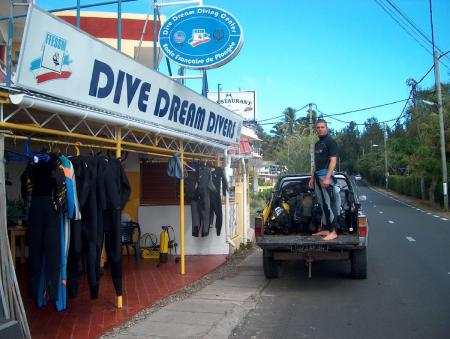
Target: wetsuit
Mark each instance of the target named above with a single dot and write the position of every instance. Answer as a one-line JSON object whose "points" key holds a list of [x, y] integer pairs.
{"points": [[219, 180], [45, 193]]}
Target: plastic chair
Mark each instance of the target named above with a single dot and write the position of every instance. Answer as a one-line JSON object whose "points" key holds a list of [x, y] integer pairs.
{"points": [[130, 235]]}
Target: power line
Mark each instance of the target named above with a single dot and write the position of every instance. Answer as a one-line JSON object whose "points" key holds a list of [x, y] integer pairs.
{"points": [[333, 116], [282, 115], [414, 26], [367, 108], [402, 25]]}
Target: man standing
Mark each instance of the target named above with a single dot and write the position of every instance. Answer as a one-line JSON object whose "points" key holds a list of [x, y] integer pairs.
{"points": [[325, 154]]}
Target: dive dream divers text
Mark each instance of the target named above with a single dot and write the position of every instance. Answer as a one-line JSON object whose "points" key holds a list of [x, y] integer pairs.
{"points": [[170, 106]]}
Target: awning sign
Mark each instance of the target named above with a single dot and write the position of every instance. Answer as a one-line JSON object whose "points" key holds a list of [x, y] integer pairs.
{"points": [[59, 60], [201, 37]]}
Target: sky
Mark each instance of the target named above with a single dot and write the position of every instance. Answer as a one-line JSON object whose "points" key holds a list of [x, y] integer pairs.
{"points": [[340, 55]]}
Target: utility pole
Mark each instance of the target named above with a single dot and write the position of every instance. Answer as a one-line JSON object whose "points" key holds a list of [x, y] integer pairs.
{"points": [[311, 145], [386, 173], [437, 76]]}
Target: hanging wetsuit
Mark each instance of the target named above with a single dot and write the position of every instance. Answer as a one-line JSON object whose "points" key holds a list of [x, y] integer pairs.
{"points": [[115, 194], [219, 180], [87, 239], [82, 176], [46, 193], [190, 188], [203, 207], [71, 212]]}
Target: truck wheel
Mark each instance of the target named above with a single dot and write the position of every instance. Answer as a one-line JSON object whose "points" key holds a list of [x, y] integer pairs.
{"points": [[358, 259], [271, 267]]}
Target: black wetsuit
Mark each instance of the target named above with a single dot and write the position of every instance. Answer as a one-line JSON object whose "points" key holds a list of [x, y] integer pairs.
{"points": [[219, 180], [45, 192]]}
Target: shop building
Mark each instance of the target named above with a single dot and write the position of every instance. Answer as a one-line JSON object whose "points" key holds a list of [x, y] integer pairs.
{"points": [[105, 103]]}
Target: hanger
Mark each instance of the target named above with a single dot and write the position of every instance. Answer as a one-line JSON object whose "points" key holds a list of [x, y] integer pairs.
{"points": [[189, 168]]}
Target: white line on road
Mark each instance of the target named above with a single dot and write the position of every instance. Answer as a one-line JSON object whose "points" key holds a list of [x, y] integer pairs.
{"points": [[381, 212], [428, 213], [391, 222], [436, 216], [410, 239], [445, 219]]}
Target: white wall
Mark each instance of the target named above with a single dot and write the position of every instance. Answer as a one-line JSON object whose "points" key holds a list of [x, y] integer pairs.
{"points": [[151, 218]]}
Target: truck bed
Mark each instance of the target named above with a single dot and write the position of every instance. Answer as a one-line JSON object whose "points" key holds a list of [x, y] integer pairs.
{"points": [[299, 242]]}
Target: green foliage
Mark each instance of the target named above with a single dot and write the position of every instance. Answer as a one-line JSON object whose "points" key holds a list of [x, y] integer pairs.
{"points": [[412, 144], [259, 200]]}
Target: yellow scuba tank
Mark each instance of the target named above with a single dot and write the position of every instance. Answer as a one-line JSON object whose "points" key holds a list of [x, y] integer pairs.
{"points": [[164, 244]]}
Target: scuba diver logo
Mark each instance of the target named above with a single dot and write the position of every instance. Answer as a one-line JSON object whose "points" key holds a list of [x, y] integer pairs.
{"points": [[199, 37], [54, 62]]}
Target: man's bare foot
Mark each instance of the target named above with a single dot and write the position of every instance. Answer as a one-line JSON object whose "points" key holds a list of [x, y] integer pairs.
{"points": [[331, 236], [324, 232]]}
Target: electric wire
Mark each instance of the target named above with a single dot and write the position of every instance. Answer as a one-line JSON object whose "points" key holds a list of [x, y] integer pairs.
{"points": [[413, 25], [402, 25], [282, 115]]}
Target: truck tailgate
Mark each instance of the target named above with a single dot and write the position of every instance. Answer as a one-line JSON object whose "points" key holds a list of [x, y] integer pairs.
{"points": [[290, 242]]}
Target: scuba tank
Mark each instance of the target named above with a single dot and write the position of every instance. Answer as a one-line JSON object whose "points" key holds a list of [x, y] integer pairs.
{"points": [[164, 244]]}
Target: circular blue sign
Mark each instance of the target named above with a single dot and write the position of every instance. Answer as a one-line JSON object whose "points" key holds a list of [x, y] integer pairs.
{"points": [[201, 37]]}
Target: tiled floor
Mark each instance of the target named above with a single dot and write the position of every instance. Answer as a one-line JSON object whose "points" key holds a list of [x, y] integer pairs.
{"points": [[143, 286]]}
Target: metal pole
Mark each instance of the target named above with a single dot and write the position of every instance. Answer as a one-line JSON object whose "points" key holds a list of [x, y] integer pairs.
{"points": [[182, 208], [119, 25], [311, 145], [78, 13], [155, 54], [218, 94], [10, 38], [386, 173], [437, 75]]}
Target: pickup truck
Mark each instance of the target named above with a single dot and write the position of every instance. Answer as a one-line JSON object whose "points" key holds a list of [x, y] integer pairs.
{"points": [[284, 228]]}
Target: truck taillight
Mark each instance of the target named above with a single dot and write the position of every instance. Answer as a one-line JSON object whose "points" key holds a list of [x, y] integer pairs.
{"points": [[258, 226], [362, 223]]}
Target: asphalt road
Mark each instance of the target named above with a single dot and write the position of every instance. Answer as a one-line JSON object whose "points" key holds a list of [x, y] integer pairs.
{"points": [[406, 295]]}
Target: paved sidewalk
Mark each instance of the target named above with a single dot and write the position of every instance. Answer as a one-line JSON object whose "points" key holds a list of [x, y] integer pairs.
{"points": [[212, 312]]}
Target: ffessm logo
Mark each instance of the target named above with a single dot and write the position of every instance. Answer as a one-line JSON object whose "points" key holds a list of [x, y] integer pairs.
{"points": [[54, 61]]}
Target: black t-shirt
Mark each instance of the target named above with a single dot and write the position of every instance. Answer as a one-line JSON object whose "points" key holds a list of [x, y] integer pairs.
{"points": [[325, 148]]}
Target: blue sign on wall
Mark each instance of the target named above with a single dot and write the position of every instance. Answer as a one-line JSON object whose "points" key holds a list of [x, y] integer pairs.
{"points": [[201, 37]]}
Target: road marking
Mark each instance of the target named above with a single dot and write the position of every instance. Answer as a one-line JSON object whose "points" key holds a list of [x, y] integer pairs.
{"points": [[374, 205], [391, 222], [381, 212], [410, 239], [436, 216], [429, 213], [445, 219]]}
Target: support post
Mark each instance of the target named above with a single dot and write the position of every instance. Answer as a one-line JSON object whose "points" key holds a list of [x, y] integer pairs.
{"points": [[386, 173], [182, 208], [311, 144], [119, 25], [437, 74], [118, 154], [78, 13], [155, 54], [10, 39], [118, 142]]}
